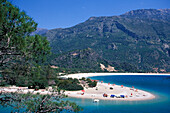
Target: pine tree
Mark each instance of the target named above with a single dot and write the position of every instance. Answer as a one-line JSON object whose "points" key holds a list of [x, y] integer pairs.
{"points": [[21, 62]]}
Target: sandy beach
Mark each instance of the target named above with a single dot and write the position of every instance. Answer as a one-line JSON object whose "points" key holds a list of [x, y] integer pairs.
{"points": [[24, 90], [80, 75], [131, 94]]}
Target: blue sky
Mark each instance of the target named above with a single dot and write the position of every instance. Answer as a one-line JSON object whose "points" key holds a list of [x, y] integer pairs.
{"points": [[52, 14]]}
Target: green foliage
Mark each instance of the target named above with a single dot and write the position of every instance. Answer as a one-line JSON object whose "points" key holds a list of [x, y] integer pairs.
{"points": [[70, 84], [83, 78], [36, 48], [22, 58], [88, 80], [37, 103], [78, 60], [20, 53], [86, 60], [2, 82], [139, 38], [92, 84], [37, 78]]}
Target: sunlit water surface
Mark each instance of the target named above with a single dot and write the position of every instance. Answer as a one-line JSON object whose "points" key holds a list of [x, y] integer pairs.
{"points": [[158, 85]]}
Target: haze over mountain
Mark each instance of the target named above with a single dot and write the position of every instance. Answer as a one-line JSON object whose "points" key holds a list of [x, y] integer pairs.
{"points": [[140, 38], [40, 31]]}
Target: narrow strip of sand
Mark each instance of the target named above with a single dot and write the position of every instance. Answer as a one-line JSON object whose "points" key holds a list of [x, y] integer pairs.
{"points": [[130, 94], [80, 75], [113, 91]]}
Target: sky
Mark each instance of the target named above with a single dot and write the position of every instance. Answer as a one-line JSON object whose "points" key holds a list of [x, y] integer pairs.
{"points": [[52, 14]]}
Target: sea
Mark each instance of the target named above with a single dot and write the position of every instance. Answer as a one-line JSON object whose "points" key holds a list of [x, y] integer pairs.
{"points": [[159, 85]]}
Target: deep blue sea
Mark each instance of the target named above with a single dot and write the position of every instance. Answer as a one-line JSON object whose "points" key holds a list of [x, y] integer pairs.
{"points": [[158, 85]]}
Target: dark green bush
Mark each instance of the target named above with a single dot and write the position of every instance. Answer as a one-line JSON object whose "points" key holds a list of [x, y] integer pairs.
{"points": [[88, 80], [2, 83], [92, 84], [70, 84], [83, 78]]}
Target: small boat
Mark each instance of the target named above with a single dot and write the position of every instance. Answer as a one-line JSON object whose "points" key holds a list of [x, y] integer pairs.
{"points": [[96, 100]]}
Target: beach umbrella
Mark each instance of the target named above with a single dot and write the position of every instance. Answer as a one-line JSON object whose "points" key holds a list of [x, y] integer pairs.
{"points": [[83, 91], [122, 86], [101, 81]]}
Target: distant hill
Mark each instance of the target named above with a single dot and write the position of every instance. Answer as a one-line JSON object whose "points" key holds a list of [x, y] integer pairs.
{"points": [[40, 31], [140, 38]]}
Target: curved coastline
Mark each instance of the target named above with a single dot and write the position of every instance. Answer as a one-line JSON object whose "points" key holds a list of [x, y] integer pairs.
{"points": [[91, 93], [80, 75]]}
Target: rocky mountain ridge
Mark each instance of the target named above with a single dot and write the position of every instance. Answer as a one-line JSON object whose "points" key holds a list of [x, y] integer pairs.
{"points": [[139, 37]]}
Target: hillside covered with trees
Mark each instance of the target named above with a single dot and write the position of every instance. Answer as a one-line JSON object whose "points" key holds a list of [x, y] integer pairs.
{"points": [[139, 38]]}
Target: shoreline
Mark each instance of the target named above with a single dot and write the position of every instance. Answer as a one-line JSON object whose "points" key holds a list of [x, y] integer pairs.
{"points": [[92, 93], [89, 93], [80, 75]]}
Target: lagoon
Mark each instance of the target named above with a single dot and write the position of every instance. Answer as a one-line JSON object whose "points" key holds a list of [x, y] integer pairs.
{"points": [[159, 85]]}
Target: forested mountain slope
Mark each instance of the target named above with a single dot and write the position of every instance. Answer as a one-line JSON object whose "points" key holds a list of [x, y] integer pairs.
{"points": [[139, 37]]}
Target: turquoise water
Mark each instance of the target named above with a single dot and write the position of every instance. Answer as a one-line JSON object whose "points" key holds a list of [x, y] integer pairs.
{"points": [[158, 85]]}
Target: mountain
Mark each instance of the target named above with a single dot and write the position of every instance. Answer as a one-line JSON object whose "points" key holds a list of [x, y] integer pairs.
{"points": [[87, 60], [140, 38], [40, 31]]}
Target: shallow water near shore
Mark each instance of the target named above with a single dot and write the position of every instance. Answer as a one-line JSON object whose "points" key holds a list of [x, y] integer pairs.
{"points": [[157, 85]]}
